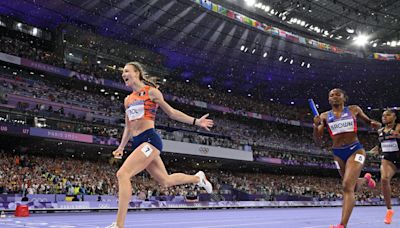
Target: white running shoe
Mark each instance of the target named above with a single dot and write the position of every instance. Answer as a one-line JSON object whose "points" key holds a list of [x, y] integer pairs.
{"points": [[204, 183], [113, 225]]}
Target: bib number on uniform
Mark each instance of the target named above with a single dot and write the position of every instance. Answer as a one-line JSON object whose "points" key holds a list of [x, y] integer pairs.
{"points": [[341, 126], [360, 158], [146, 149], [390, 146], [135, 111]]}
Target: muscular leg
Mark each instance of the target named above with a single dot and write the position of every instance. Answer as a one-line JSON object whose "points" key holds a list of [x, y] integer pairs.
{"points": [[350, 178], [157, 170], [134, 164], [388, 169]]}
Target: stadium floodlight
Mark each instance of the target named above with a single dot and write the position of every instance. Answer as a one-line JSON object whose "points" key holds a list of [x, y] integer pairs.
{"points": [[393, 43], [361, 40], [242, 48], [250, 2], [280, 58], [34, 31], [349, 30], [374, 44]]}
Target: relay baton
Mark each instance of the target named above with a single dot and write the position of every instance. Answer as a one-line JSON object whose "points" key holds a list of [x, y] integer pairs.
{"points": [[313, 107]]}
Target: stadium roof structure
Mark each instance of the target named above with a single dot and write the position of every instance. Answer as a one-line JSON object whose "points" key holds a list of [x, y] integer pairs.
{"points": [[200, 39]]}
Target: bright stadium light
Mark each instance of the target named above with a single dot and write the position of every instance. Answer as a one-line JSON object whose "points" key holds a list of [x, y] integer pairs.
{"points": [[250, 2], [349, 30], [361, 40]]}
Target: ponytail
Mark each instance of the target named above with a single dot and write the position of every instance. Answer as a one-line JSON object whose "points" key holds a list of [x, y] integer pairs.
{"points": [[143, 76]]}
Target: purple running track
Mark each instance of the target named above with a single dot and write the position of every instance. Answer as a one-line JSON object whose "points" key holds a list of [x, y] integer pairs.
{"points": [[226, 218]]}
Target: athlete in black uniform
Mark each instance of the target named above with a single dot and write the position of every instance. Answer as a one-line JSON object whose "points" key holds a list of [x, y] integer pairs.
{"points": [[389, 139]]}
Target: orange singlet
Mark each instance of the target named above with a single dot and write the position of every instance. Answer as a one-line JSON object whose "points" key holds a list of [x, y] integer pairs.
{"points": [[138, 105]]}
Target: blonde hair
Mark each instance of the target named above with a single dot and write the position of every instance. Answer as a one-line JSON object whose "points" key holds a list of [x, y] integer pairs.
{"points": [[143, 76]]}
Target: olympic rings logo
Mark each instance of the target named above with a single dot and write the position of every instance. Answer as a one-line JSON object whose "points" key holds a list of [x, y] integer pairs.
{"points": [[204, 150]]}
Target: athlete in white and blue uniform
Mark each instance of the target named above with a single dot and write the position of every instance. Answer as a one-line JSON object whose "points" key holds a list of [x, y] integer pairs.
{"points": [[345, 123], [348, 153]]}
